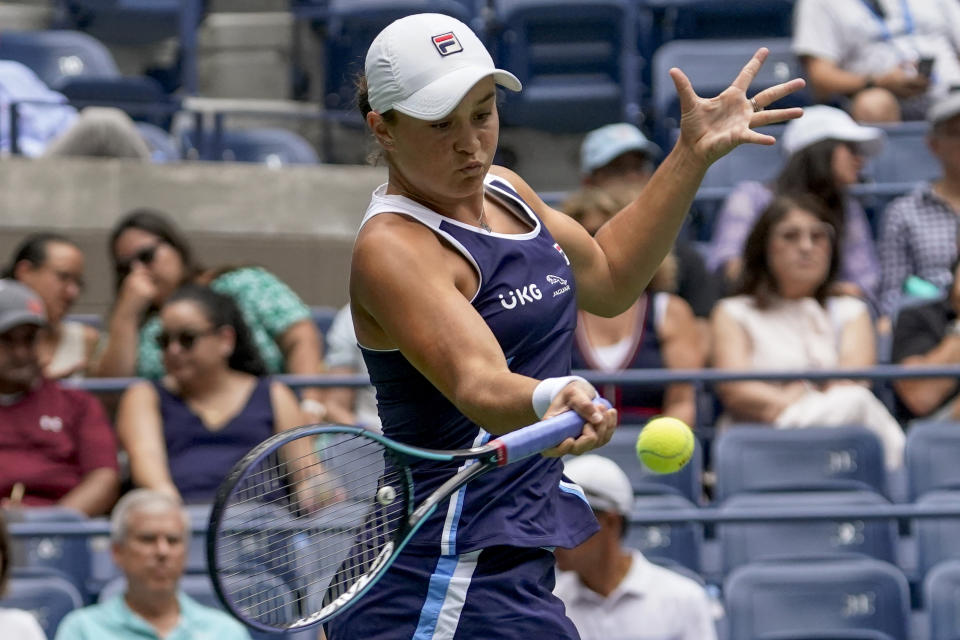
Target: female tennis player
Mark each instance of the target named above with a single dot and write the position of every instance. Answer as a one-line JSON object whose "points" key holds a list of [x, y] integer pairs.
{"points": [[464, 290]]}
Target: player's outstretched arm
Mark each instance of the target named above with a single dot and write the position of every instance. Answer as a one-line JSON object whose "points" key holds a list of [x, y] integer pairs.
{"points": [[615, 267]]}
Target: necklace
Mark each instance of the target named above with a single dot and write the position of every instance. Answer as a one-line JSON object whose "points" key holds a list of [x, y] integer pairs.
{"points": [[483, 223]]}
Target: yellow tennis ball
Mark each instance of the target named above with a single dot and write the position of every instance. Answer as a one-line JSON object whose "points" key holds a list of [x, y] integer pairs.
{"points": [[665, 445]]}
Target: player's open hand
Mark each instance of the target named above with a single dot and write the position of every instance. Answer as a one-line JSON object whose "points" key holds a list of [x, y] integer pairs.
{"points": [[598, 423], [712, 127]]}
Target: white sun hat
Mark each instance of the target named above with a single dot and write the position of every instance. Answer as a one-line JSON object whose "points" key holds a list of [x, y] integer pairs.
{"points": [[821, 122], [422, 65], [604, 483]]}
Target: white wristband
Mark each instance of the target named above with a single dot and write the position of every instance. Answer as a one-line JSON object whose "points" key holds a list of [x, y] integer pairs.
{"points": [[548, 389]]}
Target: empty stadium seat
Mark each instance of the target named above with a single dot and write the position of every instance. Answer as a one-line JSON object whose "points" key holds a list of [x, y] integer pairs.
{"points": [[705, 19], [127, 22], [933, 449], [712, 65], [49, 597], [350, 27], [843, 599], [762, 458], [938, 539], [273, 147], [748, 162], [942, 600], [686, 482], [57, 56], [141, 97], [69, 555], [742, 543], [673, 543], [905, 157], [576, 59]]}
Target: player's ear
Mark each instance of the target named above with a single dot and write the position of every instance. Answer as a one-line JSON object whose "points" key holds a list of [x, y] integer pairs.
{"points": [[380, 129]]}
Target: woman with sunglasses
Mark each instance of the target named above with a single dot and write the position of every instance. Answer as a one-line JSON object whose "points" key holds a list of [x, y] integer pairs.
{"points": [[787, 318], [826, 151], [53, 266], [185, 431], [152, 258]]}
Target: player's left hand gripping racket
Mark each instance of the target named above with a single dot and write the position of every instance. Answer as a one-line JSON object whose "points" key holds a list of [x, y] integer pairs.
{"points": [[309, 519]]}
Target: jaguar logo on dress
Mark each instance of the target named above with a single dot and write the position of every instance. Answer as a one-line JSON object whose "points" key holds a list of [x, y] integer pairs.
{"points": [[564, 287], [51, 423], [529, 293]]}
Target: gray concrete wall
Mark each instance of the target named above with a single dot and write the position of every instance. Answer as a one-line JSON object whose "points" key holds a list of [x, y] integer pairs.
{"points": [[297, 221]]}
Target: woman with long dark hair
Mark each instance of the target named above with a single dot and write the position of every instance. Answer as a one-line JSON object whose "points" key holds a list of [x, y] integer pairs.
{"points": [[152, 258], [185, 431], [826, 151]]}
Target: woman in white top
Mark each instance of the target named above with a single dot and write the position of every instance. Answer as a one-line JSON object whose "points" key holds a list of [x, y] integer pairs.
{"points": [[784, 319], [53, 266], [15, 624]]}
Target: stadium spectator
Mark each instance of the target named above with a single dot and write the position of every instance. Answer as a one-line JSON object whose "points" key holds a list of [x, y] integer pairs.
{"points": [[786, 319], [618, 156], [56, 445], [825, 153], [149, 532], [658, 331], [185, 431], [152, 258], [918, 232], [611, 591], [16, 624], [56, 128], [890, 57], [348, 405], [52, 265], [929, 335]]}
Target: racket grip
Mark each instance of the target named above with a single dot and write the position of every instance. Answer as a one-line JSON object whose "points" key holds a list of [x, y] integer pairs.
{"points": [[527, 441]]}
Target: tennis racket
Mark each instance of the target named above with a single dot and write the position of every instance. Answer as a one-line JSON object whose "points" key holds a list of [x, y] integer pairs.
{"points": [[311, 518]]}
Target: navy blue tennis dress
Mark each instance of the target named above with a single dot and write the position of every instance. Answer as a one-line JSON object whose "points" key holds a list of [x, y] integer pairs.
{"points": [[482, 566]]}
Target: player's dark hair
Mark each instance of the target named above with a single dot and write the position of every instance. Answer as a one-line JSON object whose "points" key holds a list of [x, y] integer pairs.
{"points": [[757, 279], [222, 311], [809, 172], [5, 560], [363, 104], [160, 225], [33, 249]]}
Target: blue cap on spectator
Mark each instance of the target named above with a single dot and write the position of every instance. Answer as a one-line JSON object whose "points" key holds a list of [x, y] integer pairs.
{"points": [[602, 145], [19, 305]]}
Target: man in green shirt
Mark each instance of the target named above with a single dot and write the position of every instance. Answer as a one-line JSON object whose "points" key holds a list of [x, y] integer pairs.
{"points": [[149, 532]]}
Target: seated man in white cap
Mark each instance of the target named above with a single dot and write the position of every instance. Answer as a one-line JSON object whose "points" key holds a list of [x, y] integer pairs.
{"points": [[614, 593]]}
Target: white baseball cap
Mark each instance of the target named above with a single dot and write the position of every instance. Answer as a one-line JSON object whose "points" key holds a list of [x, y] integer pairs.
{"points": [[602, 145], [422, 65], [821, 122], [605, 484]]}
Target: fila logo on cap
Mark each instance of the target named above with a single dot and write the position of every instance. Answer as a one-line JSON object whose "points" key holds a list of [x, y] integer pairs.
{"points": [[447, 43]]}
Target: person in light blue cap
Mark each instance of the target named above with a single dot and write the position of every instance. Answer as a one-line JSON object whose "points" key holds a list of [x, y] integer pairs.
{"points": [[617, 152]]}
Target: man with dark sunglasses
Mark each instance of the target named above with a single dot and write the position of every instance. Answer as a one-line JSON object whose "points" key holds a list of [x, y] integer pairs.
{"points": [[56, 444]]}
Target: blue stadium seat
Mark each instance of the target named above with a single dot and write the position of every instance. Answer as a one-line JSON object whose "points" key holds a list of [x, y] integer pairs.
{"points": [[673, 543], [905, 157], [938, 539], [750, 458], [793, 540], [126, 22], [273, 147], [704, 19], [933, 449], [576, 59], [711, 66], [832, 600], [323, 317], [942, 600], [49, 597], [139, 96], [748, 162], [352, 25], [69, 555], [57, 56], [686, 482]]}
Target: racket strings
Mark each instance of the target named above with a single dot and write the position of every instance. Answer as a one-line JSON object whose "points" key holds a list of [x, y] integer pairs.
{"points": [[305, 523]]}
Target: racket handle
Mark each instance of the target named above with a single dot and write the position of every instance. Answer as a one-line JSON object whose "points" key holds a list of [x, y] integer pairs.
{"points": [[527, 441]]}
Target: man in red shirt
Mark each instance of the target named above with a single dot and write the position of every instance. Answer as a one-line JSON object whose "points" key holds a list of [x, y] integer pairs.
{"points": [[56, 444]]}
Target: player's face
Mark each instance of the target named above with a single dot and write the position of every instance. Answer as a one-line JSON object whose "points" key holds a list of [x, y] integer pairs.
{"points": [[192, 346], [154, 552], [799, 253], [58, 281], [162, 262], [444, 160], [19, 362]]}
